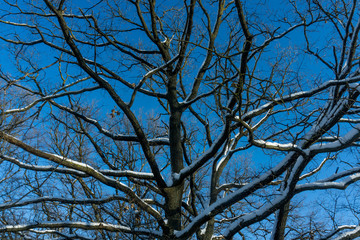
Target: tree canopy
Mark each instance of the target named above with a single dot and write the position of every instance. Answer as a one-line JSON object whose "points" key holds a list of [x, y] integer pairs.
{"points": [[192, 119]]}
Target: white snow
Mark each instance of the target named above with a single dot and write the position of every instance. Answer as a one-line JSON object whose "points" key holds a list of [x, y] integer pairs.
{"points": [[342, 142], [350, 234]]}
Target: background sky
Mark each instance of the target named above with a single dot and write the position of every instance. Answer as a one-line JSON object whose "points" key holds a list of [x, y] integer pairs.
{"points": [[291, 49]]}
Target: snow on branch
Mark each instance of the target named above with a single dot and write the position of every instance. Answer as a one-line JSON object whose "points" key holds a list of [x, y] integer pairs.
{"points": [[267, 144], [328, 185], [241, 193], [316, 169], [113, 173], [148, 75], [86, 168], [42, 168], [352, 136], [276, 145], [43, 99], [61, 200], [64, 235], [349, 234], [208, 154], [337, 230], [81, 225], [298, 95]]}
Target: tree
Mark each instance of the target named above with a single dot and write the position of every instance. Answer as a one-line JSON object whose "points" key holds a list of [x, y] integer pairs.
{"points": [[186, 119]]}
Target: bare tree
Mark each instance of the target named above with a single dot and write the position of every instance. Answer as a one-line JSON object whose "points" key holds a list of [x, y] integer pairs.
{"points": [[179, 119]]}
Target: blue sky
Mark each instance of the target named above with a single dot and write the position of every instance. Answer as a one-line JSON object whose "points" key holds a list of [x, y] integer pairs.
{"points": [[289, 50]]}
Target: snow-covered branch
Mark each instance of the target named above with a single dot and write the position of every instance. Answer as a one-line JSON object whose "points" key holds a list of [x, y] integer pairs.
{"points": [[83, 168], [349, 234], [329, 184], [113, 173], [47, 98], [298, 95], [81, 225], [62, 201], [342, 142], [337, 230], [65, 236]]}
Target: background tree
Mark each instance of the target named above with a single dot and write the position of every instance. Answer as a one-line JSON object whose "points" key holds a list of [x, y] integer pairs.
{"points": [[179, 119]]}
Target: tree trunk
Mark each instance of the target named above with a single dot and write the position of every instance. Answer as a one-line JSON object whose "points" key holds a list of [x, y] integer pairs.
{"points": [[174, 194], [281, 218]]}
